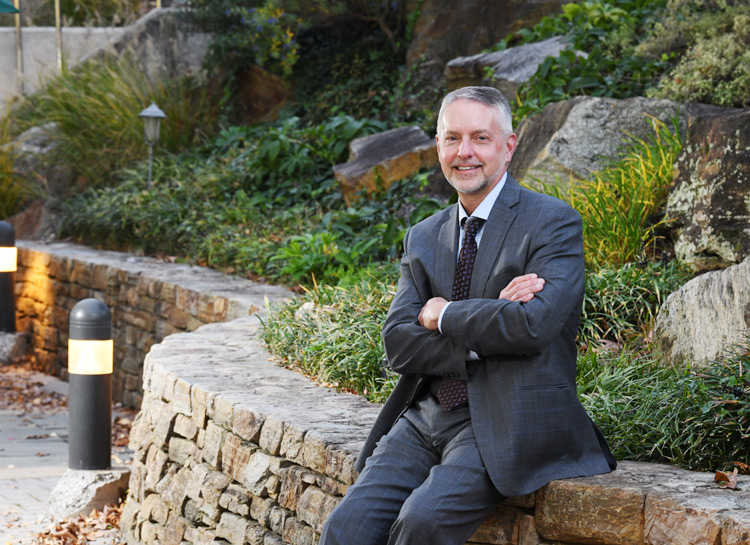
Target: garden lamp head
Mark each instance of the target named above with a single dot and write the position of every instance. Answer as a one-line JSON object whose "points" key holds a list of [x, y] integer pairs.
{"points": [[152, 117], [8, 251]]}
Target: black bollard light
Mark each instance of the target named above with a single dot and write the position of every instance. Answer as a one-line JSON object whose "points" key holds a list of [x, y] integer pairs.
{"points": [[8, 263], [90, 354]]}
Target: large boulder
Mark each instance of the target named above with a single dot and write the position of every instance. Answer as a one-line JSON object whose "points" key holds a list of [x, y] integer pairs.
{"points": [[581, 135], [378, 160], [705, 317], [446, 30], [709, 201], [504, 70], [164, 42]]}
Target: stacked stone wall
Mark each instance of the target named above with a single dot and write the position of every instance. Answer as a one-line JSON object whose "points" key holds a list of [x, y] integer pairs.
{"points": [[148, 299], [230, 448]]}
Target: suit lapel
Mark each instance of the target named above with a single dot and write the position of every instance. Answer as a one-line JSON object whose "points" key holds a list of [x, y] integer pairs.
{"points": [[445, 254], [493, 236]]}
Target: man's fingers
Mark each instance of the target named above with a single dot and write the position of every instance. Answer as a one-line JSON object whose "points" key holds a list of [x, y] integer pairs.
{"points": [[523, 288]]}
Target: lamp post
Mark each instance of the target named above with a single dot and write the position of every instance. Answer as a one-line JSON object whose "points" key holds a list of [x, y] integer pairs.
{"points": [[8, 264], [152, 117], [90, 355]]}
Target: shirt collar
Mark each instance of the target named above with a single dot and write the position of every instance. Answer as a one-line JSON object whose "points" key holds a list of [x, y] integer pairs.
{"points": [[485, 207]]}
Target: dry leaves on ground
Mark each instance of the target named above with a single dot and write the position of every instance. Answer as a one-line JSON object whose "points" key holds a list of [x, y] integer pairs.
{"points": [[99, 525], [20, 392]]}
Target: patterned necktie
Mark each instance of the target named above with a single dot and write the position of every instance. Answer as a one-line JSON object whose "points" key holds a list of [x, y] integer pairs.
{"points": [[453, 392]]}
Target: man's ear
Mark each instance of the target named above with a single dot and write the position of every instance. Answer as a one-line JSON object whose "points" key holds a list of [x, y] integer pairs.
{"points": [[510, 144]]}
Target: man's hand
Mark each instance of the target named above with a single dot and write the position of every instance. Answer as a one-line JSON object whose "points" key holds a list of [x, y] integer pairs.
{"points": [[522, 288], [428, 316]]}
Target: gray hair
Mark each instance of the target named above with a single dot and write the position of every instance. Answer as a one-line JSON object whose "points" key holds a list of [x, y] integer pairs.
{"points": [[489, 96]]}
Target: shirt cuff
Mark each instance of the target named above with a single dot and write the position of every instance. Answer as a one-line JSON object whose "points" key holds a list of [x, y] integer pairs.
{"points": [[440, 318]]}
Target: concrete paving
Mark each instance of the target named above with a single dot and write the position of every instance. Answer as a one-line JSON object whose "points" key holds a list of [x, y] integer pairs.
{"points": [[33, 456]]}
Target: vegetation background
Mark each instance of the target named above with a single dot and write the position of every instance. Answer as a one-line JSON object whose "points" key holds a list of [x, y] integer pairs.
{"points": [[260, 200]]}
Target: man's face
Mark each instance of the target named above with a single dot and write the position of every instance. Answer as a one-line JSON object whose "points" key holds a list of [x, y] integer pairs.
{"points": [[473, 151]]}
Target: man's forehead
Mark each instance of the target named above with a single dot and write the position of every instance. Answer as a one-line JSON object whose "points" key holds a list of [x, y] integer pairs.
{"points": [[488, 119]]}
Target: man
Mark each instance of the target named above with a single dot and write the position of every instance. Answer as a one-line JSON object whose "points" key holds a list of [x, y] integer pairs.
{"points": [[486, 405]]}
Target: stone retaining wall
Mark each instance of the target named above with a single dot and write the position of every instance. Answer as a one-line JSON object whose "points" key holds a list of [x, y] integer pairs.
{"points": [[149, 300], [231, 448]]}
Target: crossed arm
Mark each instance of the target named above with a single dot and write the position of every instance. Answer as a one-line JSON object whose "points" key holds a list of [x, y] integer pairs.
{"points": [[521, 288]]}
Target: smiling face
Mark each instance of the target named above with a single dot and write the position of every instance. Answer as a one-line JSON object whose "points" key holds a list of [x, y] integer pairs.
{"points": [[473, 150]]}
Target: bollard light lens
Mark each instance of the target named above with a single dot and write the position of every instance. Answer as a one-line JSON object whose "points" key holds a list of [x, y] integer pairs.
{"points": [[8, 259], [90, 357]]}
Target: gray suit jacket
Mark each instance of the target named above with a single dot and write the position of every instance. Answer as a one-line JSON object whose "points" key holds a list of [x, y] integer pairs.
{"points": [[529, 425]]}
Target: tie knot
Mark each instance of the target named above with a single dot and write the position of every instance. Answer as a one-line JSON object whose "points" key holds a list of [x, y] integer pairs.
{"points": [[472, 226]]}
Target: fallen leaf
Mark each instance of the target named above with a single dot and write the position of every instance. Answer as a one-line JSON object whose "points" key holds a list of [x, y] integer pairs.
{"points": [[727, 480]]}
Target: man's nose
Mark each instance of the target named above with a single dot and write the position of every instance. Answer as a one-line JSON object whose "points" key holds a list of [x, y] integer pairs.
{"points": [[465, 149]]}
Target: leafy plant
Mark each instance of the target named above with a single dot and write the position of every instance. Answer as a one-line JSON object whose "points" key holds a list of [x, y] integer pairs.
{"points": [[333, 334], [11, 192], [695, 418], [620, 204], [621, 303], [94, 109]]}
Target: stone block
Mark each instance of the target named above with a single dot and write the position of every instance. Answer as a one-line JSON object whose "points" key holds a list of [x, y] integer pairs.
{"points": [[156, 466], [192, 513], [501, 528], [181, 399], [154, 509], [340, 464], [232, 528], [81, 491], [277, 519], [271, 435], [199, 403], [205, 309], [235, 456], [295, 481], [255, 534], [669, 522], [236, 499], [81, 274], [260, 510], [256, 473], [176, 487], [187, 300], [314, 453], [182, 450], [291, 444], [173, 532], [213, 442], [99, 277], [576, 511], [735, 529], [221, 411], [185, 427], [247, 423], [314, 506], [298, 533]]}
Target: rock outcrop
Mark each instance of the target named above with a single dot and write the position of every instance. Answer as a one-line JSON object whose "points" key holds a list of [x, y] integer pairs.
{"points": [[504, 70], [705, 317], [580, 135], [378, 160], [709, 201]]}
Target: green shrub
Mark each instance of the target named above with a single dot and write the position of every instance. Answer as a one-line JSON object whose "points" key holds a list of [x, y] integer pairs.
{"points": [[11, 191], [620, 205], [248, 32], [695, 418], [621, 303], [716, 69], [333, 335], [95, 107]]}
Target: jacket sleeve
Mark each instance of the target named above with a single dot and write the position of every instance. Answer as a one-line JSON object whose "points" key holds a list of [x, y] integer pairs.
{"points": [[412, 349]]}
